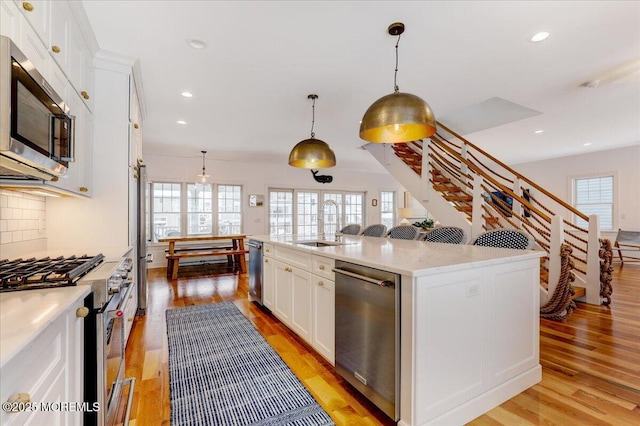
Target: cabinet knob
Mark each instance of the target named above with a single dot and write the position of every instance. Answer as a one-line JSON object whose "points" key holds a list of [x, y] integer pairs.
{"points": [[135, 176], [266, 261], [136, 126], [55, 49], [266, 250], [84, 94], [140, 160], [55, 179], [321, 267], [84, 189], [16, 402], [288, 269], [130, 320], [82, 312], [320, 283], [27, 6]]}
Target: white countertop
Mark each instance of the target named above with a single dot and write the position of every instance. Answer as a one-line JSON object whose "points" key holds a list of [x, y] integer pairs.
{"points": [[25, 314], [414, 258]]}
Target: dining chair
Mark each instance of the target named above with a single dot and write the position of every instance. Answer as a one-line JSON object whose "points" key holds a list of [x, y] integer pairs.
{"points": [[446, 234], [404, 232], [377, 230], [505, 238], [352, 229]]}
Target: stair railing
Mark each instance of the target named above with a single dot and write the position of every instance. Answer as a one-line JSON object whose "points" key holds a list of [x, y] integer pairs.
{"points": [[534, 209]]}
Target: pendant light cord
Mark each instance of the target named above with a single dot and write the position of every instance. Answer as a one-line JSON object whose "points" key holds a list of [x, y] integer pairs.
{"points": [[203, 153], [396, 89], [313, 117]]}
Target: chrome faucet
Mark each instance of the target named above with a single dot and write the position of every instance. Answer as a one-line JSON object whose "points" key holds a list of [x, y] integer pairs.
{"points": [[321, 218]]}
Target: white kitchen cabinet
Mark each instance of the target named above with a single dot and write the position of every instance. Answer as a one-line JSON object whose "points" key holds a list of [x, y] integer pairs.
{"points": [[282, 296], [299, 289], [48, 370], [10, 20], [268, 283], [61, 22], [301, 303], [324, 309], [38, 14]]}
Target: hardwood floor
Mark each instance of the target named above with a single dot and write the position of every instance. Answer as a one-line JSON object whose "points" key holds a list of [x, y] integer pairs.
{"points": [[591, 363]]}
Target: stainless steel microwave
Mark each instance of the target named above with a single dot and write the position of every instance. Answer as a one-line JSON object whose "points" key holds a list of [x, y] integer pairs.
{"points": [[36, 128]]}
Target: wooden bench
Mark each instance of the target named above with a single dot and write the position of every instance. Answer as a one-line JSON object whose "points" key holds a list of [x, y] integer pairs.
{"points": [[235, 252]]}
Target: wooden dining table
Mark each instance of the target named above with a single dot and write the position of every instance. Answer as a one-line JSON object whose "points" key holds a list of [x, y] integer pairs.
{"points": [[181, 247]]}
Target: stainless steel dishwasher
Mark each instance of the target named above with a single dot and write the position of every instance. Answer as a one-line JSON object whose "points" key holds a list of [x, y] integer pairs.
{"points": [[255, 271], [368, 333]]}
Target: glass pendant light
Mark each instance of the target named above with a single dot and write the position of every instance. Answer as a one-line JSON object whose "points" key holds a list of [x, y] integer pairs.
{"points": [[312, 153], [203, 178], [398, 117]]}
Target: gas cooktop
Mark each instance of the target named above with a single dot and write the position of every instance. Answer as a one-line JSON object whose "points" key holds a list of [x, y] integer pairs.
{"points": [[29, 274]]}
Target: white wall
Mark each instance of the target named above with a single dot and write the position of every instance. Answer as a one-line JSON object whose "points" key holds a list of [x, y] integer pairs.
{"points": [[555, 175], [257, 178]]}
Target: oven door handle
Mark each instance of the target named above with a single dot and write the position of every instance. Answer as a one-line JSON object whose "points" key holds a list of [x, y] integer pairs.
{"points": [[118, 312]]}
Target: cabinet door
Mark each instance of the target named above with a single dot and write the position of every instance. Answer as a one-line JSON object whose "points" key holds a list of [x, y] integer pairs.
{"points": [[37, 13], [75, 363], [10, 19], [324, 298], [282, 279], [59, 41], [301, 308], [268, 283]]}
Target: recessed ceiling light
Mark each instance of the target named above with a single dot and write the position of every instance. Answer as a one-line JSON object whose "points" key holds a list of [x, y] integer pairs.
{"points": [[537, 132], [187, 94], [587, 144], [181, 122], [196, 43], [540, 36]]}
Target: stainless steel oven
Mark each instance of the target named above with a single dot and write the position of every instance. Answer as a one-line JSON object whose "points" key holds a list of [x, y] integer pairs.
{"points": [[105, 342]]}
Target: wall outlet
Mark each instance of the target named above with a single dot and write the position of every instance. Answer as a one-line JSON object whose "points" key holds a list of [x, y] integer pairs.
{"points": [[473, 290]]}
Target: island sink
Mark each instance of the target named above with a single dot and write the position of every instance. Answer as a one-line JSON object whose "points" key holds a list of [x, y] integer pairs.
{"points": [[319, 243]]}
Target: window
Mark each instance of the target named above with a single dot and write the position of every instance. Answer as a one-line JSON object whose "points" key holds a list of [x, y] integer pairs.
{"points": [[281, 212], [166, 209], [594, 195], [303, 217], [229, 209], [388, 208], [190, 209]]}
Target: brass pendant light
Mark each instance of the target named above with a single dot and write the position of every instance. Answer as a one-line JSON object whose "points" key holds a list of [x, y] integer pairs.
{"points": [[398, 117], [312, 153]]}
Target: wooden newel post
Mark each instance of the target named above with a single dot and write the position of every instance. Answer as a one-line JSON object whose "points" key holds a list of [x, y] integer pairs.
{"points": [[593, 262]]}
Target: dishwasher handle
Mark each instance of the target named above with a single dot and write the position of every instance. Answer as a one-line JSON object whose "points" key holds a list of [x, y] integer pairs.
{"points": [[381, 283]]}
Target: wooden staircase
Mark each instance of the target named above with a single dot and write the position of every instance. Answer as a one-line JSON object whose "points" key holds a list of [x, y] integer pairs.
{"points": [[452, 174]]}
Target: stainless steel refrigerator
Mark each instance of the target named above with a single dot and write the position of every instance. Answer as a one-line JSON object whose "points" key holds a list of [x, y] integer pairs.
{"points": [[142, 239]]}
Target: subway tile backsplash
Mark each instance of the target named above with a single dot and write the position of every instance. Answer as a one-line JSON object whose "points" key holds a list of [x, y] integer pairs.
{"points": [[22, 217]]}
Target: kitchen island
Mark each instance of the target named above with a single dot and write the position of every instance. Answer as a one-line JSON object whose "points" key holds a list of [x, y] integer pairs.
{"points": [[469, 319]]}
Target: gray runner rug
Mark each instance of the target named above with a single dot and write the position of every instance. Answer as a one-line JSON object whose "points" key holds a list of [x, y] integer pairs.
{"points": [[223, 372]]}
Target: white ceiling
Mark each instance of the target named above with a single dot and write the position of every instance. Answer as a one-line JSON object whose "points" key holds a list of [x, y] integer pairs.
{"points": [[263, 58]]}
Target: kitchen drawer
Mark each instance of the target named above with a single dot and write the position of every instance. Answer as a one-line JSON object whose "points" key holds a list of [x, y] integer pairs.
{"points": [[294, 257], [322, 266], [268, 250], [37, 369]]}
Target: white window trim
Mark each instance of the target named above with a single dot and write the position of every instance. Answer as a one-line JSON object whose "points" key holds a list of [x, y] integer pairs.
{"points": [[615, 209], [184, 205], [365, 200]]}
